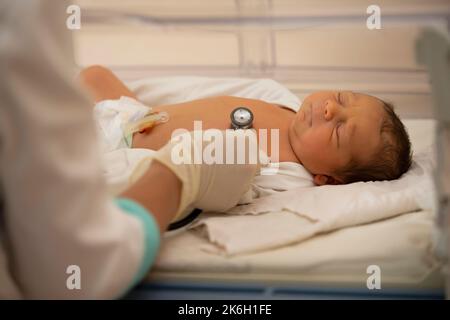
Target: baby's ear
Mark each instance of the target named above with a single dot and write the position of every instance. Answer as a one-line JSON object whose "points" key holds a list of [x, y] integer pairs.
{"points": [[322, 179]]}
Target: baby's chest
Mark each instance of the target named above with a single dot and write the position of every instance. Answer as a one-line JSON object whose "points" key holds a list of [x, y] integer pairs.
{"points": [[203, 114]]}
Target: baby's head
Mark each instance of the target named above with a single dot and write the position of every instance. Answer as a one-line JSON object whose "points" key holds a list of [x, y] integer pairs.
{"points": [[343, 137]]}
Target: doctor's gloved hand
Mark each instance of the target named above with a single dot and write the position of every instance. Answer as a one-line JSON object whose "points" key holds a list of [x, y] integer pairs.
{"points": [[215, 167]]}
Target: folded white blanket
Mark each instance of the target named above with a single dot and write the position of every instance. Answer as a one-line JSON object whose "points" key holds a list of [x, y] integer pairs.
{"points": [[298, 214]]}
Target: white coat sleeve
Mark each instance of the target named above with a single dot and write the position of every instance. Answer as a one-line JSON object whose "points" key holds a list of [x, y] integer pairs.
{"points": [[57, 211]]}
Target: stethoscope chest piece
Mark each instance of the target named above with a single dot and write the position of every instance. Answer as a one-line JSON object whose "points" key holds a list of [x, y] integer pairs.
{"points": [[241, 118]]}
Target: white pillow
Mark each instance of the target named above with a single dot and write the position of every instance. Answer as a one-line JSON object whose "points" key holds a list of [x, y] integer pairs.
{"points": [[359, 202]]}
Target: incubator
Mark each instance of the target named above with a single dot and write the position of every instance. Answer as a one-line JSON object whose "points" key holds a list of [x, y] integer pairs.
{"points": [[306, 47]]}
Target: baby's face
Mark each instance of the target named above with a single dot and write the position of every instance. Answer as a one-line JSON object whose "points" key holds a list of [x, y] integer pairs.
{"points": [[333, 127]]}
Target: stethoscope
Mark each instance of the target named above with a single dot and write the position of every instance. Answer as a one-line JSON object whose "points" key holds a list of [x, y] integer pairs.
{"points": [[241, 118]]}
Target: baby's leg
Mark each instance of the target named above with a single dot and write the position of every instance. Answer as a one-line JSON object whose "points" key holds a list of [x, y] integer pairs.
{"points": [[102, 84]]}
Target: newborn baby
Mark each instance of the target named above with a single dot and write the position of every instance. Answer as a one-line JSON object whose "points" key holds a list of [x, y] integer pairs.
{"points": [[338, 136]]}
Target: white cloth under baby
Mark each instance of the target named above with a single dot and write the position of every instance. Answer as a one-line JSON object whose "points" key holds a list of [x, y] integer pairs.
{"points": [[298, 214], [171, 90]]}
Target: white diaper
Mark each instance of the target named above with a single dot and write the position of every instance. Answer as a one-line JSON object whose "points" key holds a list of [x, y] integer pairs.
{"points": [[111, 116], [119, 159], [119, 166]]}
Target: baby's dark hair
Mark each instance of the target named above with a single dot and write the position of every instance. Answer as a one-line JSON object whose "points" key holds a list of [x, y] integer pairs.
{"points": [[393, 157]]}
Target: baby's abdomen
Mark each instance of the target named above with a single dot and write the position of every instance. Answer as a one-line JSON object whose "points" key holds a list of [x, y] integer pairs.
{"points": [[211, 112]]}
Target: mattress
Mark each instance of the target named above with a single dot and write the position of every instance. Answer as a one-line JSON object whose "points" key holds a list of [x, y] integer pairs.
{"points": [[401, 247]]}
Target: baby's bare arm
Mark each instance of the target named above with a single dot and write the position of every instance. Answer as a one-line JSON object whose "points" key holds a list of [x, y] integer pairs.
{"points": [[102, 84]]}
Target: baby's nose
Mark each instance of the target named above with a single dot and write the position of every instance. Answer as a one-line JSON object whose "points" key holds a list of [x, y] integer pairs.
{"points": [[330, 110]]}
